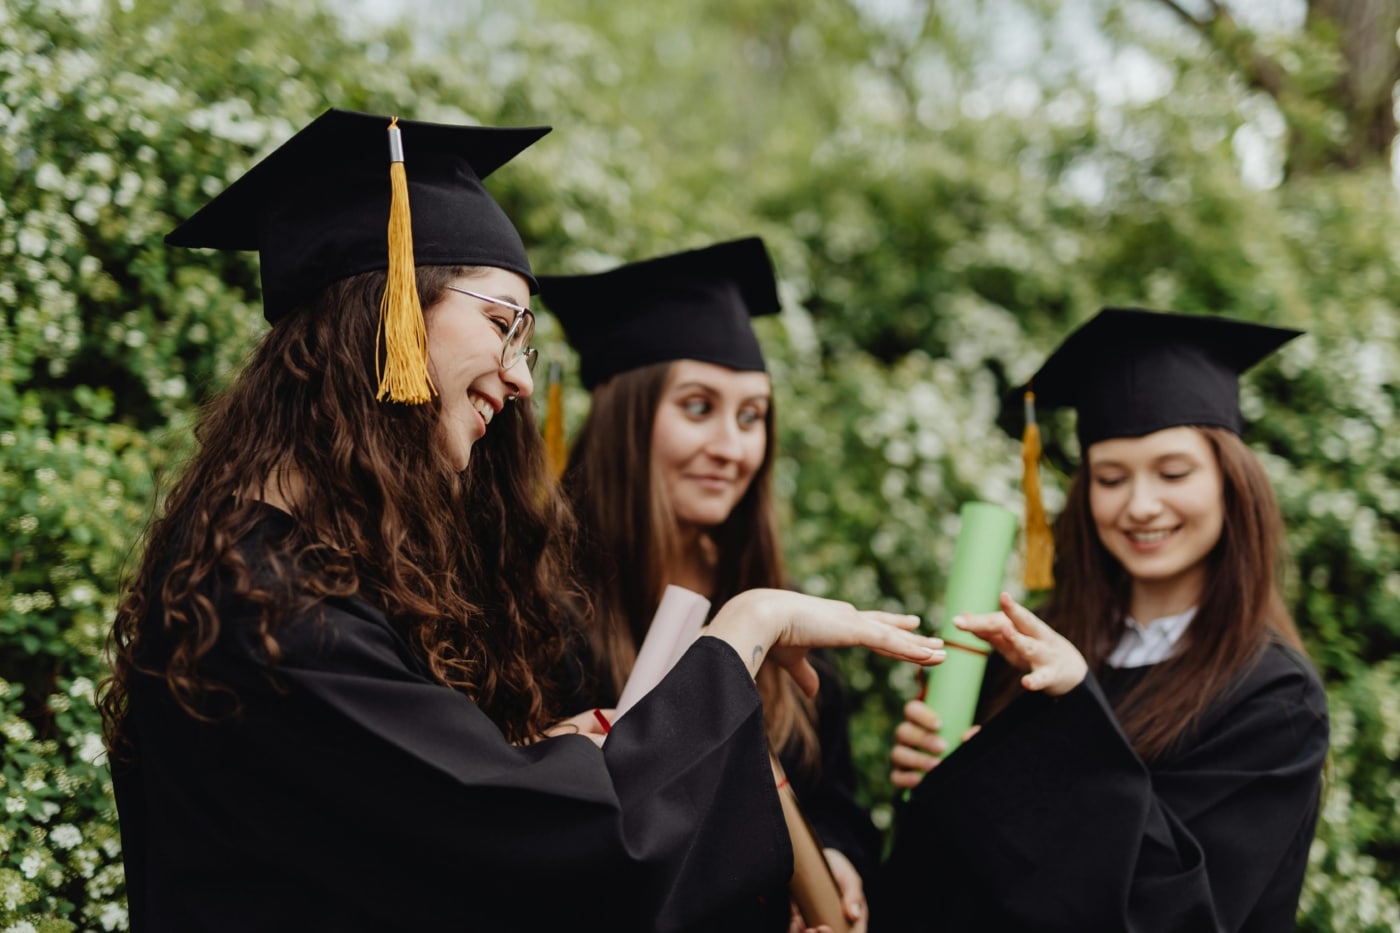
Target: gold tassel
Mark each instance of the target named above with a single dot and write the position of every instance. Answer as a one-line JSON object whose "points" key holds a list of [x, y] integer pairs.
{"points": [[556, 452], [1040, 540], [403, 375]]}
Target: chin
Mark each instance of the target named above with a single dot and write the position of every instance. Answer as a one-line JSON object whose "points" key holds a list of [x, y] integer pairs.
{"points": [[703, 518], [460, 457]]}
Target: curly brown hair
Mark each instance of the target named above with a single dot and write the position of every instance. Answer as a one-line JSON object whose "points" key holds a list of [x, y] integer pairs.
{"points": [[470, 567]]}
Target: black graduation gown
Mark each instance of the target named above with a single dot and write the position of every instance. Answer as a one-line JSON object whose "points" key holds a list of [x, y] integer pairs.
{"points": [[1049, 821], [825, 791], [356, 793]]}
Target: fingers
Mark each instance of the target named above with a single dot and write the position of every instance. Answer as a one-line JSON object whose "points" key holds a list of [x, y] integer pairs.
{"points": [[996, 630], [921, 715], [910, 759], [805, 676], [1025, 621], [985, 625], [918, 748], [907, 780], [849, 884], [905, 646], [916, 740], [900, 620]]}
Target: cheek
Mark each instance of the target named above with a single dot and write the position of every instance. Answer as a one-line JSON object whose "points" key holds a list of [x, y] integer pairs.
{"points": [[445, 342], [1103, 505], [669, 443], [754, 450], [1210, 510]]}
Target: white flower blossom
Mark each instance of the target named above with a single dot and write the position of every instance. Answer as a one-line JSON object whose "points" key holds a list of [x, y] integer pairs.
{"points": [[113, 917], [17, 730], [65, 836], [87, 746], [31, 864]]}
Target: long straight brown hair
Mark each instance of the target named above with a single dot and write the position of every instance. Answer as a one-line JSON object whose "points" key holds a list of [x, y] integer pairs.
{"points": [[1240, 610], [630, 537], [468, 566]]}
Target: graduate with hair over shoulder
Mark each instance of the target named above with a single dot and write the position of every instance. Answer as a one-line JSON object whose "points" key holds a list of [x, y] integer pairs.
{"points": [[335, 669], [1158, 765], [670, 478]]}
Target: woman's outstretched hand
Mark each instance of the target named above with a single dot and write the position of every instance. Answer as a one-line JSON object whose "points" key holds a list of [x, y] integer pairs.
{"points": [[782, 625], [1052, 663]]}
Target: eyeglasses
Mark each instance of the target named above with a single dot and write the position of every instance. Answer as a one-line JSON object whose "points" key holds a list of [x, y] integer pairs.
{"points": [[515, 346]]}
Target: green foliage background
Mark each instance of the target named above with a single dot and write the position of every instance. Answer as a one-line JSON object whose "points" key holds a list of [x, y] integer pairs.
{"points": [[940, 210]]}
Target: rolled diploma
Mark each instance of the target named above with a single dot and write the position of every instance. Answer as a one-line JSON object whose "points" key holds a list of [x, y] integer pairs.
{"points": [[985, 535], [813, 886], [675, 625]]}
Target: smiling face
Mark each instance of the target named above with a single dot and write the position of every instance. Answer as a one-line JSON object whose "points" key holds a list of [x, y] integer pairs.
{"points": [[708, 439], [465, 339], [1159, 507]]}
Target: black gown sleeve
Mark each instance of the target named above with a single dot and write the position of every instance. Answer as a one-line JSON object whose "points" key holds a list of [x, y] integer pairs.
{"points": [[1049, 821], [827, 793], [352, 792]]}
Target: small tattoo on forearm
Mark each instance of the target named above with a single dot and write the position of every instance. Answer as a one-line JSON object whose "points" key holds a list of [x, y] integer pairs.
{"points": [[757, 656]]}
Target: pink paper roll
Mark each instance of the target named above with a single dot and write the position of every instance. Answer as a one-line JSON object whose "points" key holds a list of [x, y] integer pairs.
{"points": [[677, 622]]}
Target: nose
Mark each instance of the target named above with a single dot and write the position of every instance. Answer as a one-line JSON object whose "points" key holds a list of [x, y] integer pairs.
{"points": [[723, 441], [519, 378], [1143, 503]]}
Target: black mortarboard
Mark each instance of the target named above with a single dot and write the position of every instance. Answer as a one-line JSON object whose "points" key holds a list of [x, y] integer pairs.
{"points": [[1128, 372], [317, 209], [694, 305]]}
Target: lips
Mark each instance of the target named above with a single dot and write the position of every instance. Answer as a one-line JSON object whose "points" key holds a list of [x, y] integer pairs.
{"points": [[712, 482], [1150, 537], [484, 406]]}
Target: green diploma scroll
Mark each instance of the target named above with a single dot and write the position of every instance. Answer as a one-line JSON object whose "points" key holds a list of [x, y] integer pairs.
{"points": [[985, 537]]}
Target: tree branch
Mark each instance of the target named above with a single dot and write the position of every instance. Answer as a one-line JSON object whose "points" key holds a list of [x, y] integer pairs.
{"points": [[1258, 70]]}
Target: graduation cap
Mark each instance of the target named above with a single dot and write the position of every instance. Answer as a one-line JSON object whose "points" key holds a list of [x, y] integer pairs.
{"points": [[693, 305], [1128, 372], [357, 192]]}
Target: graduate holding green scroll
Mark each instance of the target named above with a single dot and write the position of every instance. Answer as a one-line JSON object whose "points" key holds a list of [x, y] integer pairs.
{"points": [[985, 535], [1156, 764]]}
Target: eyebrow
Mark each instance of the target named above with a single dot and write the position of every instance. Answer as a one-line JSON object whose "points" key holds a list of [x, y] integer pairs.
{"points": [[706, 387], [1161, 458]]}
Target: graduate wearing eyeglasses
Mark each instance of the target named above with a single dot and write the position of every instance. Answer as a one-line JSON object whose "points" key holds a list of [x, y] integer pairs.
{"points": [[336, 666]]}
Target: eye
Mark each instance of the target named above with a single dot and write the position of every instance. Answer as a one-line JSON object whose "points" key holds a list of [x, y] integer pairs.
{"points": [[502, 324], [696, 407], [1173, 476], [751, 416], [1108, 482]]}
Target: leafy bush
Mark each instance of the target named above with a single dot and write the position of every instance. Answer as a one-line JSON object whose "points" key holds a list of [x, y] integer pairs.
{"points": [[934, 239]]}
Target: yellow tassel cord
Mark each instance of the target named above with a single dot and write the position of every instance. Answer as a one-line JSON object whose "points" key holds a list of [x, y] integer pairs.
{"points": [[556, 452], [1040, 541], [403, 374]]}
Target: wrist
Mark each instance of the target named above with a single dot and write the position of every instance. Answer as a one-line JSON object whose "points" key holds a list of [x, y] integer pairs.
{"points": [[748, 624]]}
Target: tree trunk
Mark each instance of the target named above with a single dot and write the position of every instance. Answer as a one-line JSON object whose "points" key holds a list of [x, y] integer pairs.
{"points": [[1364, 32]]}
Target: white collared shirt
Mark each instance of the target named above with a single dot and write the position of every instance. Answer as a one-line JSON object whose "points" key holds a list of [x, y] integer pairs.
{"points": [[1141, 645]]}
